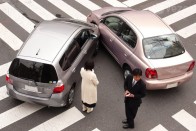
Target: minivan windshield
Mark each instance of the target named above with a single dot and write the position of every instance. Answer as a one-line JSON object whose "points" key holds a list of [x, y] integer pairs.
{"points": [[160, 47], [35, 71]]}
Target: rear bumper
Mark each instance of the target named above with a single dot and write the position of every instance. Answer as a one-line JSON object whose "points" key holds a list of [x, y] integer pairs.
{"points": [[168, 83], [56, 100]]}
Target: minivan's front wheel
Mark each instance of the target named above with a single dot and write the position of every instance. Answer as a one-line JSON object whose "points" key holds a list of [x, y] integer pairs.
{"points": [[126, 71], [70, 97]]}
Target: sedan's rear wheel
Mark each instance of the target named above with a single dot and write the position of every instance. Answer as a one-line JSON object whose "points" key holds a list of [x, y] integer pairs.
{"points": [[127, 71]]}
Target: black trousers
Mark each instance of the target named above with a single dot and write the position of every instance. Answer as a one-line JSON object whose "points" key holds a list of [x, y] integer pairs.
{"points": [[131, 108]]}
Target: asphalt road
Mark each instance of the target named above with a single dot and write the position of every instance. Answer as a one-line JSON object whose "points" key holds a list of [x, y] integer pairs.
{"points": [[157, 108]]}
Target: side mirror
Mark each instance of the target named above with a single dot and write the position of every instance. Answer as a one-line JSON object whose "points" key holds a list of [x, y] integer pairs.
{"points": [[93, 36], [101, 21]]}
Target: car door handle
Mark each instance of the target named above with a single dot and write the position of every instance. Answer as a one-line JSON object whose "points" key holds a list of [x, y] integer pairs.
{"points": [[111, 40], [74, 70], [125, 55], [85, 52]]}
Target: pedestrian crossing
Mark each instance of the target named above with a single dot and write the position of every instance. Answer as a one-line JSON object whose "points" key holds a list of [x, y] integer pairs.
{"points": [[71, 116]]}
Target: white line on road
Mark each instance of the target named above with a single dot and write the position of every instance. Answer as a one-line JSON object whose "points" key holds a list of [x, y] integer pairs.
{"points": [[89, 4], [17, 113], [185, 119], [60, 121], [7, 36], [3, 93], [68, 9], [195, 102], [96, 129], [180, 15], [133, 2], [115, 3], [159, 128], [17, 17], [187, 31], [37, 9], [163, 5], [4, 68]]}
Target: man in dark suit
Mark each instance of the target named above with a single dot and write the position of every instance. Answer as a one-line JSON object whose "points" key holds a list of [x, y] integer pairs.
{"points": [[135, 89]]}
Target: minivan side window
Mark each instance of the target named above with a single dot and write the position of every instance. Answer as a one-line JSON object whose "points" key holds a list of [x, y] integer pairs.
{"points": [[128, 36], [70, 55], [114, 23]]}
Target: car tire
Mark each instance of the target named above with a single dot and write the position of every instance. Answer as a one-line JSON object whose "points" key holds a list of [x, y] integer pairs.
{"points": [[126, 71], [70, 97]]}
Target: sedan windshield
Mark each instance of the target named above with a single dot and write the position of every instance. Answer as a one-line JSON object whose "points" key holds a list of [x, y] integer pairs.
{"points": [[162, 47]]}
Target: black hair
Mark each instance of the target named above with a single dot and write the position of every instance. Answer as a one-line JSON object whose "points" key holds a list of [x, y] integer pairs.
{"points": [[89, 65], [137, 72]]}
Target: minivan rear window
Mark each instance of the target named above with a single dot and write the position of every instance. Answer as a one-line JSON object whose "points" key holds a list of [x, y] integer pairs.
{"points": [[30, 70], [162, 47]]}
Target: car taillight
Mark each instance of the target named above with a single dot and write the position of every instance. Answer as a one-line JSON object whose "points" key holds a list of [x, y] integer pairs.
{"points": [[151, 73], [8, 79], [58, 89], [192, 65]]}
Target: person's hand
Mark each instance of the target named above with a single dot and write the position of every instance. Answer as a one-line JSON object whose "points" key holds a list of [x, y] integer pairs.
{"points": [[127, 93]]}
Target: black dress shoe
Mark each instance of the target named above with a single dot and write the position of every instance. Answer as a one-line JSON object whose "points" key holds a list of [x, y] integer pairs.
{"points": [[124, 121], [126, 126]]}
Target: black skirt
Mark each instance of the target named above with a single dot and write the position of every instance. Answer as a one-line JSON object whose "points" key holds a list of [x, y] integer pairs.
{"points": [[89, 105]]}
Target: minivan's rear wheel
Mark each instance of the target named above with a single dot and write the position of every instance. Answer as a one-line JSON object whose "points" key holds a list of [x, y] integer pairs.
{"points": [[70, 97], [126, 71]]}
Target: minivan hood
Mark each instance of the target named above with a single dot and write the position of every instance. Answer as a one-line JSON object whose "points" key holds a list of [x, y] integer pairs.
{"points": [[171, 67]]}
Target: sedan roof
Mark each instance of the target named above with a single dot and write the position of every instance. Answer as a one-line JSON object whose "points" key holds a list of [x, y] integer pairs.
{"points": [[48, 39], [147, 23]]}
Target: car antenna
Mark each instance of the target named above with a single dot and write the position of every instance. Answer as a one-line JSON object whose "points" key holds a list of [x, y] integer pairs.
{"points": [[37, 52]]}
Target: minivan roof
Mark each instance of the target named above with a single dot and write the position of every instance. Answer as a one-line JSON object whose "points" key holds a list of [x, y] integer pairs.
{"points": [[148, 23], [48, 39]]}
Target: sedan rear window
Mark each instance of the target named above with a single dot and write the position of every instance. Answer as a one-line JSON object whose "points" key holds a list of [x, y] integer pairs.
{"points": [[29, 70], [162, 47]]}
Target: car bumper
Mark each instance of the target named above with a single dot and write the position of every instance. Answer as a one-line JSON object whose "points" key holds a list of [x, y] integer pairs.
{"points": [[56, 100], [168, 83]]}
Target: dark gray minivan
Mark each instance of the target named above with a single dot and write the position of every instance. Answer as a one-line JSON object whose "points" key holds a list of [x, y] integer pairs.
{"points": [[46, 68]]}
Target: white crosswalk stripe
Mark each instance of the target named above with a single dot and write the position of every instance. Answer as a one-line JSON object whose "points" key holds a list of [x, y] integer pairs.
{"points": [[180, 15], [68, 9], [39, 10], [4, 68], [195, 102], [86, 3], [187, 31], [163, 5], [13, 41], [159, 128], [96, 129], [115, 3], [17, 113], [185, 119], [60, 121], [3, 93], [17, 17], [133, 2]]}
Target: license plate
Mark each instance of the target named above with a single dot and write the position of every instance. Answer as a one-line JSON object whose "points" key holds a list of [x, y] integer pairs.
{"points": [[172, 85], [31, 88]]}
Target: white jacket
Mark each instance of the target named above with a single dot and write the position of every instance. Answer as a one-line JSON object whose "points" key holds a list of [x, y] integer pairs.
{"points": [[89, 86]]}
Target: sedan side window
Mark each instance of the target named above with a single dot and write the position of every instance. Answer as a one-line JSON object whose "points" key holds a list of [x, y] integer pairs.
{"points": [[70, 55], [128, 36], [83, 37], [114, 23]]}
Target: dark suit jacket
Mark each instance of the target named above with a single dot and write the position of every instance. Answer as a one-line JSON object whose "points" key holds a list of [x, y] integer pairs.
{"points": [[139, 89]]}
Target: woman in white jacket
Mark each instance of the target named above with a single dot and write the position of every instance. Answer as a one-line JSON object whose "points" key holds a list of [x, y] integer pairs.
{"points": [[88, 87]]}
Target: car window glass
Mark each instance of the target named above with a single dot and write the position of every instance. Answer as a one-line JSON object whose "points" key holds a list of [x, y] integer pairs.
{"points": [[114, 23], [82, 37], [128, 36], [70, 55], [162, 47], [30, 70]]}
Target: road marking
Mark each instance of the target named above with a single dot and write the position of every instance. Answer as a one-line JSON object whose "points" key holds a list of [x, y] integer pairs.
{"points": [[3, 93], [195, 102], [89, 4], [185, 119], [159, 128], [96, 129], [60, 121], [19, 112], [163, 5], [37, 9], [180, 15], [68, 9], [187, 31], [4, 68], [115, 3], [7, 36], [133, 2], [17, 17]]}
